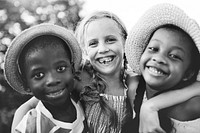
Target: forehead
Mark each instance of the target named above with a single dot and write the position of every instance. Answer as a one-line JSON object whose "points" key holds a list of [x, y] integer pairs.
{"points": [[48, 53], [173, 37], [102, 26], [46, 41]]}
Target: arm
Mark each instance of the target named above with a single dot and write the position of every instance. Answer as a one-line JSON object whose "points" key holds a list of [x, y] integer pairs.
{"points": [[149, 116], [174, 97], [22, 110]]}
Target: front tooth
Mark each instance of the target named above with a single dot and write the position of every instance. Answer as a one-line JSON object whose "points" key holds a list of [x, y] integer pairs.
{"points": [[155, 70], [55, 93], [104, 60]]}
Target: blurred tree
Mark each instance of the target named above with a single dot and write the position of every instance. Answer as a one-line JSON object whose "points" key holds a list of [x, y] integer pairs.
{"points": [[15, 16]]}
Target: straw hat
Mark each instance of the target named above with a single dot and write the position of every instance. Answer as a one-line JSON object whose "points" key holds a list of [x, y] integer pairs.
{"points": [[11, 68], [155, 17]]}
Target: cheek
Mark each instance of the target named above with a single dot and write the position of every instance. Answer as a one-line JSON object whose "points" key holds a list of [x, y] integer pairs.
{"points": [[68, 77], [69, 81], [91, 53], [35, 85], [142, 59], [180, 69]]}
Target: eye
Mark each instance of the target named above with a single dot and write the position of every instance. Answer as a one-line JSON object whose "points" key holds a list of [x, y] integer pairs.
{"points": [[38, 76], [93, 43], [111, 40], [61, 68], [152, 49], [175, 57]]}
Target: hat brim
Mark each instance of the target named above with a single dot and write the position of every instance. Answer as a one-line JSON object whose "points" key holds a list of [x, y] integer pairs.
{"points": [[11, 68], [153, 18]]}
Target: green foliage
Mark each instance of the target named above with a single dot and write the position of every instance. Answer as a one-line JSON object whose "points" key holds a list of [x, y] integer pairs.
{"points": [[15, 16]]}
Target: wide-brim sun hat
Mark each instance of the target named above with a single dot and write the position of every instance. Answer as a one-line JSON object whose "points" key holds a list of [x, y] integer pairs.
{"points": [[11, 66], [156, 16]]}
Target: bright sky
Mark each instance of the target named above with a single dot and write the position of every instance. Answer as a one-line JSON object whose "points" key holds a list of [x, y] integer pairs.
{"points": [[129, 11]]}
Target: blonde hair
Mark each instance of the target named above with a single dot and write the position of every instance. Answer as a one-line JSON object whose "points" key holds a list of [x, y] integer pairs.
{"points": [[82, 25], [98, 83]]}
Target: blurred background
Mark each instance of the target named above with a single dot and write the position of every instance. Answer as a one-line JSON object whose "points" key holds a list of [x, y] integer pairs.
{"points": [[17, 15]]}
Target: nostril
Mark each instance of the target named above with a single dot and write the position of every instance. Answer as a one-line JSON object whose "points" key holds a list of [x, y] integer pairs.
{"points": [[53, 82]]}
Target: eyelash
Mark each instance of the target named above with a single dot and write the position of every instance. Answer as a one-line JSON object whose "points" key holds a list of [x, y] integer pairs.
{"points": [[108, 41], [111, 40], [40, 75], [152, 49], [92, 43], [172, 56], [62, 67]]}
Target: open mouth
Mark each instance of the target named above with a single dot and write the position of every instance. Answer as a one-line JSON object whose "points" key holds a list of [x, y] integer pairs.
{"points": [[56, 93], [156, 71], [106, 60]]}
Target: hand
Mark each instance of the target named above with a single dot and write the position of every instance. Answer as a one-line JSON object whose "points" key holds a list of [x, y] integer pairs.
{"points": [[149, 121]]}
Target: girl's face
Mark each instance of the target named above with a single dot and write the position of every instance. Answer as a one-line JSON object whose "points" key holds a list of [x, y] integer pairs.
{"points": [[166, 59], [49, 74], [104, 46]]}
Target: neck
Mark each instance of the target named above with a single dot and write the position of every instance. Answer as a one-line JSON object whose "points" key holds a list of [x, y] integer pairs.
{"points": [[114, 84], [150, 92], [65, 112]]}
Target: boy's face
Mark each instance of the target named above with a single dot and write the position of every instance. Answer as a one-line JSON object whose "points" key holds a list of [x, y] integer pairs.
{"points": [[166, 59], [104, 45], [49, 74]]}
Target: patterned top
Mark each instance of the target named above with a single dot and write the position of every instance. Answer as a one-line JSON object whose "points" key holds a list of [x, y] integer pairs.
{"points": [[40, 120], [99, 122]]}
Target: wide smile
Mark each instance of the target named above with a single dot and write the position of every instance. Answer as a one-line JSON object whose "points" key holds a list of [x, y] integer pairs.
{"points": [[56, 93], [156, 71], [106, 60]]}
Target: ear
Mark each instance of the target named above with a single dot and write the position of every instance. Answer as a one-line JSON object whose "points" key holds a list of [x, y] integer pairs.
{"points": [[188, 75], [28, 90]]}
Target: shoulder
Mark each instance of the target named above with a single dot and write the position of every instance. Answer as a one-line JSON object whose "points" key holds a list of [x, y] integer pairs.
{"points": [[28, 123], [188, 110], [193, 105]]}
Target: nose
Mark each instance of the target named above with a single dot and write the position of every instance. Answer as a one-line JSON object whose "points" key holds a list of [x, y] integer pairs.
{"points": [[52, 80], [159, 59], [103, 48]]}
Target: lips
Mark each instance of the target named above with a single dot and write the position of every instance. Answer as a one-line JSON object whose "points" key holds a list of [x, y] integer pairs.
{"points": [[56, 93], [156, 71], [105, 60]]}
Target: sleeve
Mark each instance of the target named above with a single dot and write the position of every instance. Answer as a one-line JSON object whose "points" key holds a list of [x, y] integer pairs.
{"points": [[28, 123]]}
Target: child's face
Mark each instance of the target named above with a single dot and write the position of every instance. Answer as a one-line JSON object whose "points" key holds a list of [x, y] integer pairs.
{"points": [[104, 45], [49, 74], [166, 59]]}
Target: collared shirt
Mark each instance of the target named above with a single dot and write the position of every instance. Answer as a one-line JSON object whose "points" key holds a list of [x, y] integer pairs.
{"points": [[40, 120]]}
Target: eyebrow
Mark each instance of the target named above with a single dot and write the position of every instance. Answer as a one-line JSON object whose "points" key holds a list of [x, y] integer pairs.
{"points": [[154, 39], [35, 68], [176, 47]]}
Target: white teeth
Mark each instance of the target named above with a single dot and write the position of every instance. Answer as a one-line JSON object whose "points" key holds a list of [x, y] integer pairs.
{"points": [[55, 93], [156, 71], [105, 60]]}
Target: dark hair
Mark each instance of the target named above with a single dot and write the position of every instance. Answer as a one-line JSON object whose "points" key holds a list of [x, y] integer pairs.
{"points": [[194, 66], [38, 43]]}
